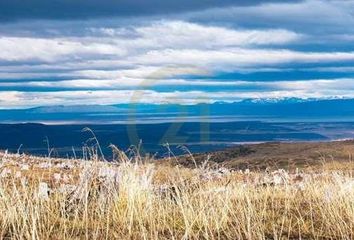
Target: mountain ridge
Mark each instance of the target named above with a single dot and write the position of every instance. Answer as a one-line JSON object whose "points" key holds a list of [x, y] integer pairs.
{"points": [[248, 109]]}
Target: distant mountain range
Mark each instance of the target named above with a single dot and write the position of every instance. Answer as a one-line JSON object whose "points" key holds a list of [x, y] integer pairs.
{"points": [[288, 109]]}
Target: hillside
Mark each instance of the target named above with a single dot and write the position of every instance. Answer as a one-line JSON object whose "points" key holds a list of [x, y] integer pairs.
{"points": [[137, 197], [275, 155]]}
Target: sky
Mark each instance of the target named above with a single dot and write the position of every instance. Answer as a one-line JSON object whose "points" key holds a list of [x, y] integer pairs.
{"points": [[88, 52]]}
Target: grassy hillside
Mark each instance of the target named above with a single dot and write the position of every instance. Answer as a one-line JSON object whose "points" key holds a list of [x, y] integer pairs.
{"points": [[274, 155], [137, 198]]}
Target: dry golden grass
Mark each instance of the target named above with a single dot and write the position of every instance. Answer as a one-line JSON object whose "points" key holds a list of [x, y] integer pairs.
{"points": [[134, 199]]}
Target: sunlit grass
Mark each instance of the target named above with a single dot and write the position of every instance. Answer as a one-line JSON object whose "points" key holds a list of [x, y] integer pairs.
{"points": [[134, 198]]}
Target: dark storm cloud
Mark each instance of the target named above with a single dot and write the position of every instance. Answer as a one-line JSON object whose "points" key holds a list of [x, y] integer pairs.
{"points": [[78, 9]]}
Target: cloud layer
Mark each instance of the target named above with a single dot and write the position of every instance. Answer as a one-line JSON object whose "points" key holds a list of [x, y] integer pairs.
{"points": [[78, 9], [200, 53]]}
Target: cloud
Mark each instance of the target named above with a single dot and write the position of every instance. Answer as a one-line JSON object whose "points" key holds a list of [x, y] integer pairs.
{"points": [[176, 45], [158, 35], [49, 50], [180, 54], [310, 16], [230, 58], [136, 84], [85, 9], [184, 34], [14, 99], [325, 24]]}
